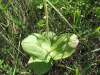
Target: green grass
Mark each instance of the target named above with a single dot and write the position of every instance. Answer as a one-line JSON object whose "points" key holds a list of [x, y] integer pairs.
{"points": [[20, 18]]}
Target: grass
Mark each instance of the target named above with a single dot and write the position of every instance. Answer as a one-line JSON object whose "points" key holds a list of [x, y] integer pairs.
{"points": [[20, 18]]}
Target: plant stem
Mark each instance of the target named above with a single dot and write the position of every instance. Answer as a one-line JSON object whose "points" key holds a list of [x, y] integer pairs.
{"points": [[46, 17]]}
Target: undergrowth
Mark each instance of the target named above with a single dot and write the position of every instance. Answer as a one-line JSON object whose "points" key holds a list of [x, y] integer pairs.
{"points": [[19, 18]]}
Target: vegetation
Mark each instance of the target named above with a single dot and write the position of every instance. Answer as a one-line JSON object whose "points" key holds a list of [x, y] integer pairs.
{"points": [[20, 18]]}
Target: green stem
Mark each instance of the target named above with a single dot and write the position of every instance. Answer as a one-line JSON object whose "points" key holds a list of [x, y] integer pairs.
{"points": [[46, 17]]}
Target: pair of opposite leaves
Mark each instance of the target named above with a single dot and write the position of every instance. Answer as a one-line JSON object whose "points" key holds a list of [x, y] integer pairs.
{"points": [[42, 50]]}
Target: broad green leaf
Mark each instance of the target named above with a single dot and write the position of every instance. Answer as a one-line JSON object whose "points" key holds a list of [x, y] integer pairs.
{"points": [[37, 46], [64, 46], [52, 36], [39, 66]]}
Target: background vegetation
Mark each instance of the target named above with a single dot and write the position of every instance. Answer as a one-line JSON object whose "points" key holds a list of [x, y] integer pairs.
{"points": [[19, 18]]}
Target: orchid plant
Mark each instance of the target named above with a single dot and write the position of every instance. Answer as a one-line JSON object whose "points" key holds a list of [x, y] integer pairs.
{"points": [[45, 47]]}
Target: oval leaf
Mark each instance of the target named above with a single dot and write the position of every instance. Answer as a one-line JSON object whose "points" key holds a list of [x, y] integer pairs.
{"points": [[39, 66], [37, 46], [64, 46]]}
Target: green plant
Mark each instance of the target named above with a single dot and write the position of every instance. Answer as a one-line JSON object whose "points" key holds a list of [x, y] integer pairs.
{"points": [[46, 47], [43, 53], [19, 18], [6, 69]]}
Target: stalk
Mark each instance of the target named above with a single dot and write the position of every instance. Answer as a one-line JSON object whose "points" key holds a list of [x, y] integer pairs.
{"points": [[46, 18]]}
